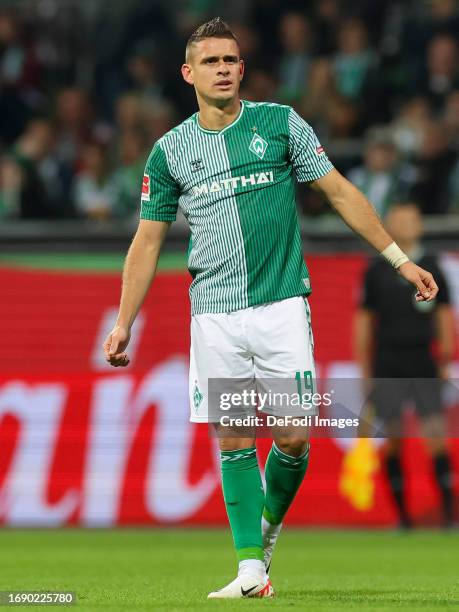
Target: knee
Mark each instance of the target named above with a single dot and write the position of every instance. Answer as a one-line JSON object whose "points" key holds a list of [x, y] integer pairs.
{"points": [[233, 444], [295, 447]]}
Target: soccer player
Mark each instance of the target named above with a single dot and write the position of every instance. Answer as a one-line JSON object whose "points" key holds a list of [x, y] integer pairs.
{"points": [[230, 167], [394, 342]]}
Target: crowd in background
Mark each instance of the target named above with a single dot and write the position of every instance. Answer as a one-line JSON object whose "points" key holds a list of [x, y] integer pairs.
{"points": [[88, 86]]}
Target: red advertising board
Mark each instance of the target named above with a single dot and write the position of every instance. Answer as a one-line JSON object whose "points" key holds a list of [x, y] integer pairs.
{"points": [[84, 444]]}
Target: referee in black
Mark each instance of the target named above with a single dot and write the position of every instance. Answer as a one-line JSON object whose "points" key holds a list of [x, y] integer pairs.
{"points": [[394, 338]]}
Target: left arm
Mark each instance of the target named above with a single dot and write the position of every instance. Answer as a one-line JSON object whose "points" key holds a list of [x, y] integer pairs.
{"points": [[358, 213], [445, 332]]}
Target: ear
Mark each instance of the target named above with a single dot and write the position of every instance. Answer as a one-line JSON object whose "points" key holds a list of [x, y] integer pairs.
{"points": [[241, 68], [187, 74]]}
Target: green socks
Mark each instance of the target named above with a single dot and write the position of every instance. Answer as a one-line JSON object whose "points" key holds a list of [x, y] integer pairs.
{"points": [[244, 496], [283, 474], [244, 499]]}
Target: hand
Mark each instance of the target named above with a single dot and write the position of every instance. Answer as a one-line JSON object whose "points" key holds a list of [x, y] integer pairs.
{"points": [[114, 346], [444, 372], [421, 279]]}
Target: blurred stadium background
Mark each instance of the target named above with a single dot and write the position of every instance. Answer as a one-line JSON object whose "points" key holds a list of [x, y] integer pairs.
{"points": [[86, 88]]}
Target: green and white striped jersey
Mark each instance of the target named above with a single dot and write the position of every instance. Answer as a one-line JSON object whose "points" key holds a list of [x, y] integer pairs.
{"points": [[236, 189]]}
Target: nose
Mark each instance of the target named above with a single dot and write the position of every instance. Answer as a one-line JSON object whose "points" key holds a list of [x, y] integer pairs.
{"points": [[223, 69]]}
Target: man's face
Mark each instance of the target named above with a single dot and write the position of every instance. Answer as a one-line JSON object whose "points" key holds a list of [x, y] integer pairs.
{"points": [[404, 224], [214, 68]]}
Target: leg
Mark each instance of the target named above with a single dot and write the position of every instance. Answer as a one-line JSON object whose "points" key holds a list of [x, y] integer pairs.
{"points": [[388, 397], [394, 471], [218, 352], [243, 495], [244, 499], [433, 427], [283, 361], [285, 469]]}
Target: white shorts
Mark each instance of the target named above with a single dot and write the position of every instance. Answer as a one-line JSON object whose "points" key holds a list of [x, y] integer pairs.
{"points": [[269, 341]]}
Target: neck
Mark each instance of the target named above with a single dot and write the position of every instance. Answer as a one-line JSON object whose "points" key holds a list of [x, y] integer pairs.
{"points": [[212, 117]]}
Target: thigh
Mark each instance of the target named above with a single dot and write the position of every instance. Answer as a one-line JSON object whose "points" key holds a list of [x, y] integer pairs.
{"points": [[283, 349], [217, 352], [281, 339]]}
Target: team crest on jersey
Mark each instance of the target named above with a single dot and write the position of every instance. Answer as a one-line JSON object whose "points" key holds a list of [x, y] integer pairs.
{"points": [[258, 146], [146, 187], [196, 165]]}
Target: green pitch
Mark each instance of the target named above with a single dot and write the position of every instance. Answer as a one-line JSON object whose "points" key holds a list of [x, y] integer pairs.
{"points": [[174, 570]]}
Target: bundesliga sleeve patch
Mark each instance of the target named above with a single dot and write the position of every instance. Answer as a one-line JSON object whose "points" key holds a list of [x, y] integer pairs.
{"points": [[146, 187]]}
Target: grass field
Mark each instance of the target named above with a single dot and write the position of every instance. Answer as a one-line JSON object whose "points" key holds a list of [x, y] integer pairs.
{"points": [[174, 569]]}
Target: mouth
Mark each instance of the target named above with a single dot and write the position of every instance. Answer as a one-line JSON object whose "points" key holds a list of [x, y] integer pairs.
{"points": [[224, 83]]}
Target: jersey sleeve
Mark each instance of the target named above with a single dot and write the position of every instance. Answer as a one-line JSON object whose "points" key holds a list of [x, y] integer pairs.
{"points": [[160, 191], [307, 155]]}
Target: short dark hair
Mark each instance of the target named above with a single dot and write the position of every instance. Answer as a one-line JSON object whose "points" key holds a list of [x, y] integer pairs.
{"points": [[215, 28]]}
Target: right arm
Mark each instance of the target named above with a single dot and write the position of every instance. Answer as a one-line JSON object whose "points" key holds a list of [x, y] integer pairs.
{"points": [[160, 194], [138, 273]]}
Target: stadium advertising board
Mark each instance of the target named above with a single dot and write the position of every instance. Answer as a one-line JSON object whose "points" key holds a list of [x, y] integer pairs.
{"points": [[84, 444]]}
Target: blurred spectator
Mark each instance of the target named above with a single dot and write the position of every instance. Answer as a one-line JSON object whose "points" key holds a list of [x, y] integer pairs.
{"points": [[127, 179], [109, 72], [260, 85], [94, 189], [451, 118], [454, 190], [19, 78], [410, 125], [143, 73], [383, 178], [129, 112], [424, 21], [74, 124], [295, 61], [249, 44], [157, 120], [435, 163], [327, 17], [10, 188], [23, 188], [355, 61], [440, 75]]}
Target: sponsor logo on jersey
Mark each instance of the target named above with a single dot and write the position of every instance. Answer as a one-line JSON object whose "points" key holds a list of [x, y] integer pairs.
{"points": [[145, 187], [258, 178], [258, 146], [320, 150]]}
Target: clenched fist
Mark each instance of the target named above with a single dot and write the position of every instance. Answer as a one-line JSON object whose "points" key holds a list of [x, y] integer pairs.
{"points": [[115, 345], [423, 280]]}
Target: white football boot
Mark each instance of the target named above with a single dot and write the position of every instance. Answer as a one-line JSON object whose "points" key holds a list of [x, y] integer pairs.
{"points": [[247, 584]]}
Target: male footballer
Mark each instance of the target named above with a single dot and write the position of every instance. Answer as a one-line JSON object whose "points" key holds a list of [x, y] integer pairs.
{"points": [[231, 168]]}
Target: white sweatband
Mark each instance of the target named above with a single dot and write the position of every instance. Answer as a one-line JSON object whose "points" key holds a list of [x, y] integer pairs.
{"points": [[394, 255]]}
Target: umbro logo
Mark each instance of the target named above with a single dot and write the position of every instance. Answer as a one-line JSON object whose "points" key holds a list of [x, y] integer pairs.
{"points": [[258, 146], [196, 165]]}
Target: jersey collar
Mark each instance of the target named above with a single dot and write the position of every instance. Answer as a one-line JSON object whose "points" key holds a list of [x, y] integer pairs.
{"points": [[233, 123]]}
